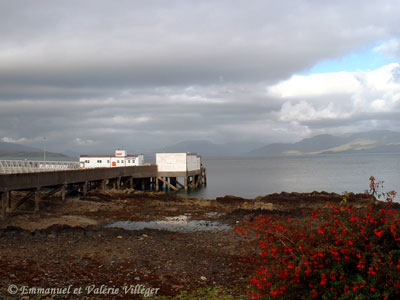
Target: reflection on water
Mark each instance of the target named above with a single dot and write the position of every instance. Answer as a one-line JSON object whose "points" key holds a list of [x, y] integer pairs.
{"points": [[179, 223]]}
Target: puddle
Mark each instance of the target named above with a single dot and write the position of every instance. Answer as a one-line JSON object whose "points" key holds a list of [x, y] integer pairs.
{"points": [[214, 214], [179, 223]]}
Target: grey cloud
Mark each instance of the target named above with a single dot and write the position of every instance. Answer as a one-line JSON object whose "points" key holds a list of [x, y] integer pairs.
{"points": [[149, 73], [143, 115], [104, 43]]}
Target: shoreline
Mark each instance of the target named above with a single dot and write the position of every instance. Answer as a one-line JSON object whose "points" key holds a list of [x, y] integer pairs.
{"points": [[67, 243]]}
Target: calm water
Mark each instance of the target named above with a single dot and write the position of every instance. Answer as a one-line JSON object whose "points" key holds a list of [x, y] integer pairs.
{"points": [[179, 223], [251, 177]]}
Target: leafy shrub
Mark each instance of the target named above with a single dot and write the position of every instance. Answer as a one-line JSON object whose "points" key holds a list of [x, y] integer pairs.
{"points": [[336, 253]]}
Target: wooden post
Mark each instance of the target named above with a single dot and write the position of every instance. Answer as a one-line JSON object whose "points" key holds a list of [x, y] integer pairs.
{"points": [[143, 184], [131, 182], [118, 183], [186, 182], [84, 188], [173, 181], [103, 184], [201, 179], [62, 192], [37, 199], [3, 205], [157, 184], [8, 200], [152, 183]]}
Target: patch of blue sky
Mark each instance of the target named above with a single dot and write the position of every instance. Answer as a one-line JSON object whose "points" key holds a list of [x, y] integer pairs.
{"points": [[364, 60]]}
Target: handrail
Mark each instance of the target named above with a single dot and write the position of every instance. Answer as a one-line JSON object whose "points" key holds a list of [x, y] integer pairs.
{"points": [[28, 166]]}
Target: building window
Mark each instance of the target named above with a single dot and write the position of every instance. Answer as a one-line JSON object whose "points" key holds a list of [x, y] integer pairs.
{"points": [[122, 161], [118, 161], [99, 161], [108, 161], [87, 161]]}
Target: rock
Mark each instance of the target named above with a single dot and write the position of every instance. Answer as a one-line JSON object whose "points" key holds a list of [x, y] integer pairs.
{"points": [[177, 287], [119, 237], [203, 278]]}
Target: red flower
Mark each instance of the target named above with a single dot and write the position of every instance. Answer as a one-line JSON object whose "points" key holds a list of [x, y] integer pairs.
{"points": [[314, 294], [379, 233]]}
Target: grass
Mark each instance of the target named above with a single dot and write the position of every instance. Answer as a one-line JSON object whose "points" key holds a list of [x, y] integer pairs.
{"points": [[208, 293]]}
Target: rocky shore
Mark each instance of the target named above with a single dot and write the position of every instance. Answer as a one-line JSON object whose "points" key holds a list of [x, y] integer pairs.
{"points": [[68, 250]]}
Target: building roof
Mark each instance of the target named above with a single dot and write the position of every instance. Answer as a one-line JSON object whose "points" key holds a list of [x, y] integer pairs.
{"points": [[109, 156]]}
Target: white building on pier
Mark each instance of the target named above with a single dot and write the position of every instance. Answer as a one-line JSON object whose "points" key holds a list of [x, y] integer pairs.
{"points": [[119, 159]]}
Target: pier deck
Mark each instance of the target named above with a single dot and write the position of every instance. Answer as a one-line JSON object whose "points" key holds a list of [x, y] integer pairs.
{"points": [[41, 185]]}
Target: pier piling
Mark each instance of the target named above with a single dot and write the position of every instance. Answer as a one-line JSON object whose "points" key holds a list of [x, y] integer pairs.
{"points": [[65, 182]]}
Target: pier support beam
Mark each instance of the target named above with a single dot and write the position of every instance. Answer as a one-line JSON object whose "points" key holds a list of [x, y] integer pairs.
{"points": [[167, 184], [21, 201], [84, 188], [8, 200], [62, 193], [37, 200], [118, 182], [186, 182], [172, 180], [51, 193], [178, 183], [3, 206], [143, 184], [204, 171], [103, 184]]}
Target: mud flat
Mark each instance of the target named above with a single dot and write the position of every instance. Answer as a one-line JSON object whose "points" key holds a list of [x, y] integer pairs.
{"points": [[115, 245]]}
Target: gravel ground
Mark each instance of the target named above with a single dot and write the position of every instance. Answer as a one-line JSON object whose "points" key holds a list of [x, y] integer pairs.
{"points": [[66, 245]]}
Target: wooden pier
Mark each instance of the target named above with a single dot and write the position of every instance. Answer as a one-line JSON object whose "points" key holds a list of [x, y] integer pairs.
{"points": [[41, 185]]}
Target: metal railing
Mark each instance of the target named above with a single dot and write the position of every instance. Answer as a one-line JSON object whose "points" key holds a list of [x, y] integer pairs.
{"points": [[28, 166]]}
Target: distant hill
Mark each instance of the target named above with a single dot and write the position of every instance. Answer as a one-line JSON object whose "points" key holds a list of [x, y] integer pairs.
{"points": [[15, 151], [377, 141], [11, 147], [207, 148], [71, 153]]}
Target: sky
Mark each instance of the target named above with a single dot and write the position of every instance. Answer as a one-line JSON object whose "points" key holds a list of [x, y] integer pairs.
{"points": [[93, 75]]}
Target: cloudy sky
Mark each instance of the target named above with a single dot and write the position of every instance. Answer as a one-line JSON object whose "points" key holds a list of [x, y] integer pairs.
{"points": [[95, 75]]}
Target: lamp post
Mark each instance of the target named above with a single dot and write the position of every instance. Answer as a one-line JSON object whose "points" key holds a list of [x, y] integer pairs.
{"points": [[44, 149]]}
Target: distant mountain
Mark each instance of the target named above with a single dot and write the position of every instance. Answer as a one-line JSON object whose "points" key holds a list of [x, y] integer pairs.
{"points": [[11, 147], [377, 141], [207, 148], [17, 151], [71, 153]]}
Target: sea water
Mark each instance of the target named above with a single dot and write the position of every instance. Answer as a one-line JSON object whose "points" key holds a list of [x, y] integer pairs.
{"points": [[250, 177]]}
